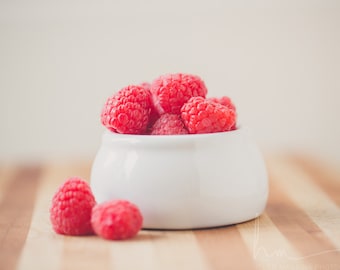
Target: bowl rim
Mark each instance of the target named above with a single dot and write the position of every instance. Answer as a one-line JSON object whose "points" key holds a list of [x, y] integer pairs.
{"points": [[109, 136]]}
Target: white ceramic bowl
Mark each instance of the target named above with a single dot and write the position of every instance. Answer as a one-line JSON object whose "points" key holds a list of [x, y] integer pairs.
{"points": [[183, 181]]}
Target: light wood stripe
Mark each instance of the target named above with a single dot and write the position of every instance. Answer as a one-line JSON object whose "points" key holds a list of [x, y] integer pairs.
{"points": [[268, 246], [178, 250], [311, 242], [224, 248], [15, 211], [136, 253], [323, 175], [85, 252], [43, 247], [313, 201]]}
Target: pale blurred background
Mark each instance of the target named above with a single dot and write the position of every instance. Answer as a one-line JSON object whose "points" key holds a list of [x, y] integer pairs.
{"points": [[59, 60]]}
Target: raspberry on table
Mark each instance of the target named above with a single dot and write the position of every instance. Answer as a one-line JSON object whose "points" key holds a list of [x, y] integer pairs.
{"points": [[71, 208], [171, 91], [205, 116], [116, 220], [128, 110], [169, 124]]}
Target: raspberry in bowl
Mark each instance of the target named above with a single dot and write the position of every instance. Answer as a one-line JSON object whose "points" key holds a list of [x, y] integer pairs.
{"points": [[190, 168]]}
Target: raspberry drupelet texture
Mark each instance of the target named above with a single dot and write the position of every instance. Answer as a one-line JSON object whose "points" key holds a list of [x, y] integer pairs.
{"points": [[128, 111], [205, 116], [153, 112], [226, 101], [171, 91], [146, 85], [71, 209], [116, 220], [169, 124]]}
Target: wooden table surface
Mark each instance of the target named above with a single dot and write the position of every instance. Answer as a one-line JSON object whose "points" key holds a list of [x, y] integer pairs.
{"points": [[300, 228]]}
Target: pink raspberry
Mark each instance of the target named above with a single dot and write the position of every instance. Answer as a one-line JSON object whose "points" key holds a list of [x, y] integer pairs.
{"points": [[128, 111], [205, 116], [169, 124], [153, 112], [146, 85], [226, 101], [171, 91], [72, 204], [116, 219]]}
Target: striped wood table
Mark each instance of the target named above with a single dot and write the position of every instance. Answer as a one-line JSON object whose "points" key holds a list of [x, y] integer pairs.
{"points": [[300, 228]]}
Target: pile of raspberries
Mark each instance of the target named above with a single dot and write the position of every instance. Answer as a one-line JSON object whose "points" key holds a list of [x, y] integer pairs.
{"points": [[74, 211], [172, 104]]}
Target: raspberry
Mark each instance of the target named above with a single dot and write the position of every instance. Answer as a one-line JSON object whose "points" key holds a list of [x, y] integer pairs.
{"points": [[116, 220], [226, 101], [128, 111], [154, 116], [146, 85], [205, 116], [170, 92], [72, 204], [169, 124], [153, 112]]}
